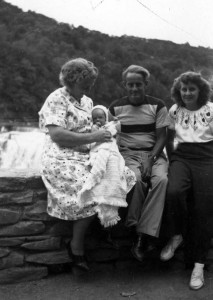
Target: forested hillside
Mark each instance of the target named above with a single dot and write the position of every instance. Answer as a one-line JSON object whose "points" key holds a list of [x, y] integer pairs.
{"points": [[33, 48]]}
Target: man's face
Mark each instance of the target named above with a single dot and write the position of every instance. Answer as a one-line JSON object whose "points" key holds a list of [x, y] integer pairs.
{"points": [[135, 86]]}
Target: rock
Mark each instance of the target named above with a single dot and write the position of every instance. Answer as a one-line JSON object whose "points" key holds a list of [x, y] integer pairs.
{"points": [[36, 237], [15, 241], [40, 195], [22, 228], [11, 241], [8, 184], [4, 251], [55, 257], [37, 211], [14, 259], [35, 182], [53, 243], [16, 198], [61, 228], [14, 275], [9, 216]]}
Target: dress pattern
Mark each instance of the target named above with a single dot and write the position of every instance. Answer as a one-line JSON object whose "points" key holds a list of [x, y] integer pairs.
{"points": [[65, 170]]}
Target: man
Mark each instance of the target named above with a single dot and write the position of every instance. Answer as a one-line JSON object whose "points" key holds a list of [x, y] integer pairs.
{"points": [[141, 141]]}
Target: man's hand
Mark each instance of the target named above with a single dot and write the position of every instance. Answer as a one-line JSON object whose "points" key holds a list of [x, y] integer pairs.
{"points": [[147, 170]]}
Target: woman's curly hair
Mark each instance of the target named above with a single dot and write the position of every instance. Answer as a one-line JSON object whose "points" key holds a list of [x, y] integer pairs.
{"points": [[198, 80], [75, 70]]}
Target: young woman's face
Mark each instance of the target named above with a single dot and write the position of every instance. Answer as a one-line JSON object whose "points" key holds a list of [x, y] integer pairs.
{"points": [[189, 94], [98, 117]]}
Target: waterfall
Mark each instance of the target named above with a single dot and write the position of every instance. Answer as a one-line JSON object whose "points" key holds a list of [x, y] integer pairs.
{"points": [[21, 150]]}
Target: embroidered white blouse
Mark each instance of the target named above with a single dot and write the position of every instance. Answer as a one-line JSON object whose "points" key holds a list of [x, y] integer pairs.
{"points": [[192, 126]]}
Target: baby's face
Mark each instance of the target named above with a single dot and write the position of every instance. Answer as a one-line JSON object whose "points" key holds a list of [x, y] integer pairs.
{"points": [[98, 117]]}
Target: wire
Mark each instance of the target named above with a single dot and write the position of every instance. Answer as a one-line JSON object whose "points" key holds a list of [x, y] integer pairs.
{"points": [[181, 29], [94, 7]]}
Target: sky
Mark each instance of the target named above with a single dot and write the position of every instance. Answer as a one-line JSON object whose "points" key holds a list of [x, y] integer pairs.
{"points": [[180, 21]]}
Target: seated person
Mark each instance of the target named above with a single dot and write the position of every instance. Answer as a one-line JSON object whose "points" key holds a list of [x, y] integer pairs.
{"points": [[141, 141]]}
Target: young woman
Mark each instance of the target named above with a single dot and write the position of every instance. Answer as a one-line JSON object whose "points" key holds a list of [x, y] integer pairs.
{"points": [[189, 201]]}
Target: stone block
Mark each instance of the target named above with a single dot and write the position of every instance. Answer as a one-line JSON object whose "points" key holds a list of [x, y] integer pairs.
{"points": [[4, 251], [35, 182], [40, 194], [24, 197], [53, 243], [49, 258], [13, 241], [14, 259], [9, 184], [15, 275], [22, 228], [36, 237], [37, 211], [9, 216], [61, 228]]}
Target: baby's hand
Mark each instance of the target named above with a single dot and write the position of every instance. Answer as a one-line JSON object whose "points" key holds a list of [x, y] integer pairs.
{"points": [[98, 124], [94, 128]]}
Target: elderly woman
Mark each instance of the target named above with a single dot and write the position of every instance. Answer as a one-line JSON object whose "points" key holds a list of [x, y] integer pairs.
{"points": [[66, 119], [190, 188]]}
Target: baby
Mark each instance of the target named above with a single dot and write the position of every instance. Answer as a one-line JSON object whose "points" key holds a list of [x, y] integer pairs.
{"points": [[109, 180]]}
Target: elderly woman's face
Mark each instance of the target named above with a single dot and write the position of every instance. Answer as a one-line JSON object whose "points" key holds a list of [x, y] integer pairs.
{"points": [[79, 89]]}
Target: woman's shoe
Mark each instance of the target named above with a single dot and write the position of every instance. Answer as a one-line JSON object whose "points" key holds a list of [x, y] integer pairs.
{"points": [[169, 250], [197, 278], [78, 261]]}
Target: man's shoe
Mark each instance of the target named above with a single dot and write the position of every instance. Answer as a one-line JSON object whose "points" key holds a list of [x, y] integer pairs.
{"points": [[136, 250], [197, 278], [169, 250]]}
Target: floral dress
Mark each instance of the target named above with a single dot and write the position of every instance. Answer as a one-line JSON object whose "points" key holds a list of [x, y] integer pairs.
{"points": [[64, 170]]}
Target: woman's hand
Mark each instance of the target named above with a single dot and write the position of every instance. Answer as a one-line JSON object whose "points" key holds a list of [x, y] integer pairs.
{"points": [[66, 138], [102, 135]]}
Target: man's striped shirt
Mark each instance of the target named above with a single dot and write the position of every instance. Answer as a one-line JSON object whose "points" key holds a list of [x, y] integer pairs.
{"points": [[139, 123]]}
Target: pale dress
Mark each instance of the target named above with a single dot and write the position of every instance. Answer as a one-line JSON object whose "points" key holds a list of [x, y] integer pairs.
{"points": [[109, 180], [65, 170]]}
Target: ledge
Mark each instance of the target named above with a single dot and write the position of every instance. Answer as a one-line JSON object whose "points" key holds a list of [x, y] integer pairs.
{"points": [[32, 243]]}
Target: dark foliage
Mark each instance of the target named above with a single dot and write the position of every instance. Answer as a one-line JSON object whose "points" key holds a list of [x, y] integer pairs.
{"points": [[33, 48]]}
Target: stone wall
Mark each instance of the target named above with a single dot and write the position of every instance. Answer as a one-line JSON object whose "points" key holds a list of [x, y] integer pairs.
{"points": [[32, 242]]}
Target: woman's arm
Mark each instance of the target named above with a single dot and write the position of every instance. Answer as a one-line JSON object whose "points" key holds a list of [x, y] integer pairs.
{"points": [[170, 142], [66, 138]]}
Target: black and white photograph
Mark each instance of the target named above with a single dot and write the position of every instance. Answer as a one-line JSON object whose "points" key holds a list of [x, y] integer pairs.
{"points": [[106, 149]]}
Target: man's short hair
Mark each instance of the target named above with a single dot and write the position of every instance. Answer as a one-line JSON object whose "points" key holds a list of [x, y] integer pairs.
{"points": [[136, 69]]}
